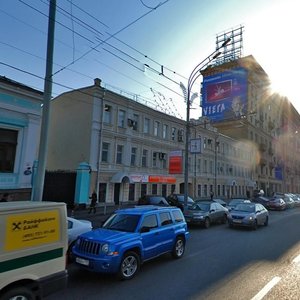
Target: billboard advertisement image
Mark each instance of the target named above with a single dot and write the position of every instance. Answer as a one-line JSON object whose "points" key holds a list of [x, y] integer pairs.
{"points": [[224, 95]]}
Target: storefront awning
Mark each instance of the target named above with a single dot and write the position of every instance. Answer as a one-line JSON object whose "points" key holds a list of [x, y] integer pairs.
{"points": [[231, 182], [120, 177]]}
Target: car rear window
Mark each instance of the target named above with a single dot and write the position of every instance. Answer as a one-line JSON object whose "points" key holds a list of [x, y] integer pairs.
{"points": [[177, 215], [165, 218], [150, 222]]}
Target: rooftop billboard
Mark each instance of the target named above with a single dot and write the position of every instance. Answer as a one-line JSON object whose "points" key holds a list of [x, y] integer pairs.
{"points": [[224, 95]]}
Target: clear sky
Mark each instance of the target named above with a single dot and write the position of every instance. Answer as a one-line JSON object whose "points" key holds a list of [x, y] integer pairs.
{"points": [[114, 39]]}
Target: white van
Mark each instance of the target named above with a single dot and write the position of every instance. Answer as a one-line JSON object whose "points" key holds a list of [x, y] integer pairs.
{"points": [[33, 247]]}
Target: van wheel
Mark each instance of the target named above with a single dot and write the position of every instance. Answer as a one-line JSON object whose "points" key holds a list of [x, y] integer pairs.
{"points": [[19, 293], [130, 265]]}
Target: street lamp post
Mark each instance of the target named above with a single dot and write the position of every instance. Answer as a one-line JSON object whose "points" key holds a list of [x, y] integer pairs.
{"points": [[216, 161], [187, 93]]}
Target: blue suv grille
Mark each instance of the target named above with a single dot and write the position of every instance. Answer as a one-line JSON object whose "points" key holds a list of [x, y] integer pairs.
{"points": [[89, 247]]}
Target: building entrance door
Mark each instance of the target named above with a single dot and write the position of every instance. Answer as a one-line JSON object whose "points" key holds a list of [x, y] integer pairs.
{"points": [[117, 193]]}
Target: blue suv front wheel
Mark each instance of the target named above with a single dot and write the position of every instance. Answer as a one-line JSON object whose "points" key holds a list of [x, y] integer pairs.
{"points": [[130, 265]]}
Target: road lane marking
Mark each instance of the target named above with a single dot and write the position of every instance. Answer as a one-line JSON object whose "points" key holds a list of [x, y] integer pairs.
{"points": [[264, 291], [296, 260]]}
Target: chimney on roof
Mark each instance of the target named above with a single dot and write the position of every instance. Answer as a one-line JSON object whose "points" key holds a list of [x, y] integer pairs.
{"points": [[97, 81]]}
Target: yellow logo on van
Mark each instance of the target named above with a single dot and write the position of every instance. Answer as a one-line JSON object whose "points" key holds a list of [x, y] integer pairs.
{"points": [[32, 229]]}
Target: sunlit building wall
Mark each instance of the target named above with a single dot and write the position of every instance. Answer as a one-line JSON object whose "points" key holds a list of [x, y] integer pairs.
{"points": [[260, 117]]}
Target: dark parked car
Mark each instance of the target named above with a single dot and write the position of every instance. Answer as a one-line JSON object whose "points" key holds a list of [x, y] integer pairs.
{"points": [[234, 202], [178, 200], [277, 204], [131, 236], [153, 200], [206, 212], [248, 215], [262, 200]]}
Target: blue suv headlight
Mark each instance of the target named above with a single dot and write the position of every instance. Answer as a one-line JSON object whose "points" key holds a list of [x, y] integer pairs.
{"points": [[105, 248]]}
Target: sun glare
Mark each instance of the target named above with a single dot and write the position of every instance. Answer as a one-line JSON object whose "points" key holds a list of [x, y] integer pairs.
{"points": [[273, 34]]}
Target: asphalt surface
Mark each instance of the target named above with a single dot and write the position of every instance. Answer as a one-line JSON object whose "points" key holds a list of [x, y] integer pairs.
{"points": [[219, 263], [102, 213]]}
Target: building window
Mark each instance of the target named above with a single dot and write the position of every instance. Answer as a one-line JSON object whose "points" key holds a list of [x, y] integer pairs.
{"points": [[165, 131], [173, 188], [156, 128], [204, 143], [199, 190], [136, 122], [107, 114], [143, 189], [147, 125], [164, 190], [205, 190], [133, 156], [180, 135], [164, 163], [154, 159], [144, 158], [199, 166], [154, 189], [102, 192], [205, 166], [173, 133], [119, 158], [121, 118], [131, 192], [105, 152], [8, 146]]}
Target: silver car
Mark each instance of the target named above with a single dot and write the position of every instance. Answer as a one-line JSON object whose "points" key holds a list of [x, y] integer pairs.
{"points": [[248, 215]]}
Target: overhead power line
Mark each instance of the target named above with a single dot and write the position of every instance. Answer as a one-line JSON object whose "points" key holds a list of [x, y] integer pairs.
{"points": [[120, 30], [78, 21]]}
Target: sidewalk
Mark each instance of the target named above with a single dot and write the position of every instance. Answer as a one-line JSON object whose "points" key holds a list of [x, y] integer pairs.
{"points": [[102, 213]]}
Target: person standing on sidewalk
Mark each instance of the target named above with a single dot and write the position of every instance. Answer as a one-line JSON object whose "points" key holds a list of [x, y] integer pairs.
{"points": [[93, 202], [4, 197]]}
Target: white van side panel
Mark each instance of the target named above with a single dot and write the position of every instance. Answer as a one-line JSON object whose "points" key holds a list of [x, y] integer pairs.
{"points": [[33, 240]]}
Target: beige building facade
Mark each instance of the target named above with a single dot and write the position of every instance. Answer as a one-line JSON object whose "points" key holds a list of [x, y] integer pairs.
{"points": [[130, 148]]}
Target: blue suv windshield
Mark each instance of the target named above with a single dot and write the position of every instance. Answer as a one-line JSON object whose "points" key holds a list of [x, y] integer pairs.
{"points": [[122, 222]]}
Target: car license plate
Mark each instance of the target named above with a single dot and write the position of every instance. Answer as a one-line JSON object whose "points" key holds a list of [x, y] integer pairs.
{"points": [[237, 221], [82, 261]]}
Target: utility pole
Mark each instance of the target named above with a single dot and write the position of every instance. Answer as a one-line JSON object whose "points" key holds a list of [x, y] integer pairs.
{"points": [[38, 184]]}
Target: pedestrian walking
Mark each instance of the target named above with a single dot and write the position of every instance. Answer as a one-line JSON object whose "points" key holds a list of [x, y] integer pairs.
{"points": [[211, 195], [93, 202]]}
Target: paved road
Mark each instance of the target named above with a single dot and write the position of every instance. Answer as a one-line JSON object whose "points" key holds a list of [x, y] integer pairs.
{"points": [[219, 263]]}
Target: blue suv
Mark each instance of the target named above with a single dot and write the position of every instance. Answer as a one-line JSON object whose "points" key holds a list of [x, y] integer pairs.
{"points": [[130, 237]]}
